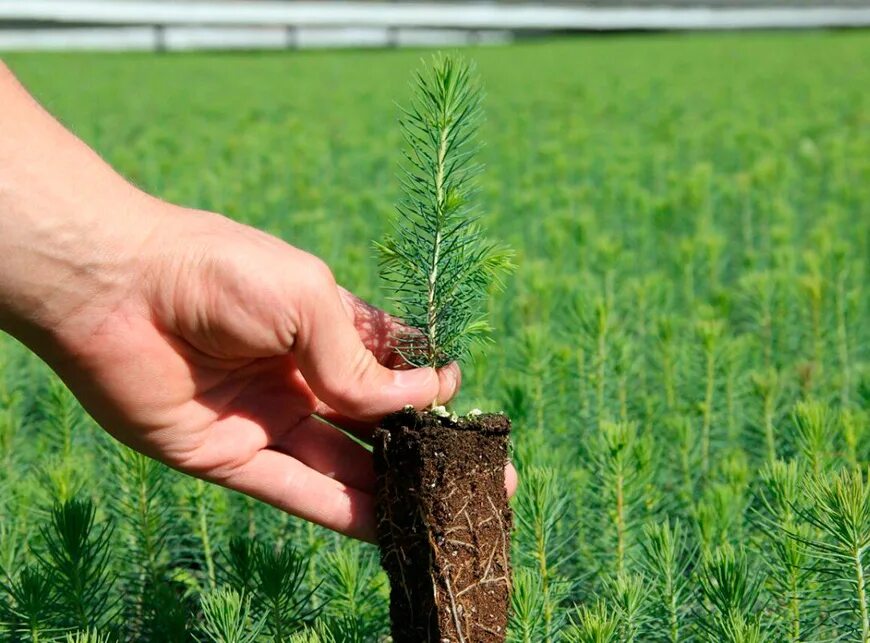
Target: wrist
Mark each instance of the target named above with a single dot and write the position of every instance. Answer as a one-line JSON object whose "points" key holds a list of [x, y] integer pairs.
{"points": [[71, 229], [68, 261]]}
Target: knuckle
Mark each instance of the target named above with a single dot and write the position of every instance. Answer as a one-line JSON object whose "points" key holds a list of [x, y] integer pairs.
{"points": [[319, 273], [307, 278]]}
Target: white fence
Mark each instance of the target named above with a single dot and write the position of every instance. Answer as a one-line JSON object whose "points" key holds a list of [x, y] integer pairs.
{"points": [[178, 38], [144, 24]]}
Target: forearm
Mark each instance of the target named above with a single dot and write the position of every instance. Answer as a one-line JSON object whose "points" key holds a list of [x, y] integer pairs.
{"points": [[69, 224]]}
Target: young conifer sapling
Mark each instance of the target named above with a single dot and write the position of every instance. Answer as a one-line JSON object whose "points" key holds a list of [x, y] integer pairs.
{"points": [[443, 518]]}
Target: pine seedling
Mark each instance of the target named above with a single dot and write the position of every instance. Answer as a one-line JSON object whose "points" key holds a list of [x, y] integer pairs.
{"points": [[766, 386], [64, 416], [815, 434], [812, 286], [595, 624], [59, 480], [682, 430], [140, 507], [202, 494], [274, 581], [759, 293], [226, 618], [307, 636], [665, 559], [720, 512], [527, 608], [838, 507], [642, 292], [62, 419], [280, 592], [621, 460], [76, 560], [437, 264], [628, 594], [169, 612], [667, 357], [709, 333], [344, 629], [7, 435], [582, 366], [313, 542], [734, 358], [353, 589], [594, 319], [731, 591], [737, 629], [29, 604], [791, 577], [540, 543], [530, 393], [622, 366], [841, 306], [688, 253], [282, 587], [535, 360], [338, 630], [238, 569], [13, 538]]}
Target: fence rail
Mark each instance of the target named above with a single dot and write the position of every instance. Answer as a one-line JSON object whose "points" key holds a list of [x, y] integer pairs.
{"points": [[189, 24]]}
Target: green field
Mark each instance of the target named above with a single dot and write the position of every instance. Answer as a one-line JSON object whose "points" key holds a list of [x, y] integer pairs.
{"points": [[683, 349]]}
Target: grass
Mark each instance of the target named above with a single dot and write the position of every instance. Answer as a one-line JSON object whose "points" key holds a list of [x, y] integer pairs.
{"points": [[684, 348]]}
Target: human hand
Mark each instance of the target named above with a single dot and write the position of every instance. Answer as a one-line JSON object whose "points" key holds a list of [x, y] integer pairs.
{"points": [[201, 342], [223, 354]]}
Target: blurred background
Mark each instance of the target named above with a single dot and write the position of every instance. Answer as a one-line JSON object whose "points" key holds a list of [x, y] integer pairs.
{"points": [[155, 25], [681, 349]]}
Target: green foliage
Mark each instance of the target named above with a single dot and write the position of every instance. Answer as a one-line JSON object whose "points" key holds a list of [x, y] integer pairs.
{"points": [[273, 580], [87, 636], [791, 576], [76, 557], [814, 434], [542, 547], [356, 592], [227, 619], [593, 625], [731, 594], [30, 603], [623, 500], [666, 561], [670, 213], [437, 265], [627, 593], [838, 508], [138, 503], [528, 598]]}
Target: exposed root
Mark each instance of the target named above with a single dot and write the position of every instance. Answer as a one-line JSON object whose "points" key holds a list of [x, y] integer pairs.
{"points": [[453, 609]]}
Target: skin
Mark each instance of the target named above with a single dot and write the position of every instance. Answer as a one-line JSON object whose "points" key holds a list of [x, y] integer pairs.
{"points": [[213, 347]]}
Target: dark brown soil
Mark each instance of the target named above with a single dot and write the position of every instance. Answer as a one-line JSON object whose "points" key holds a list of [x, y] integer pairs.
{"points": [[444, 526]]}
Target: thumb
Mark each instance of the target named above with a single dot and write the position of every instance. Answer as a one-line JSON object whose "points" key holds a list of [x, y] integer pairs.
{"points": [[344, 374]]}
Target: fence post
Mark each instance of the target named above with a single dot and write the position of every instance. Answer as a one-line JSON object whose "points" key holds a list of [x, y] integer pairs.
{"points": [[160, 38]]}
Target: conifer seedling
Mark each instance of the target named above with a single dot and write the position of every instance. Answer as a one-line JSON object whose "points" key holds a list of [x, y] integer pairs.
{"points": [[443, 517], [437, 264]]}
